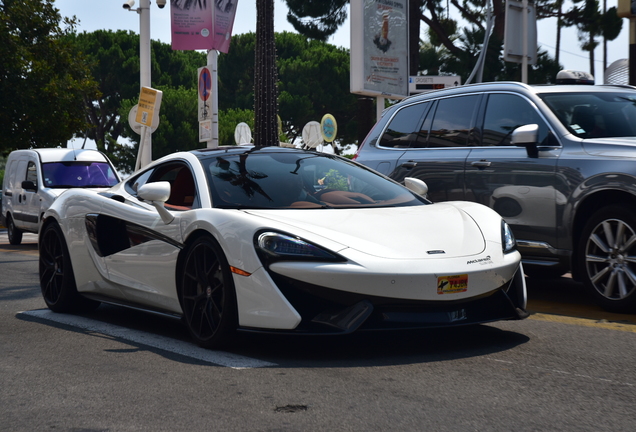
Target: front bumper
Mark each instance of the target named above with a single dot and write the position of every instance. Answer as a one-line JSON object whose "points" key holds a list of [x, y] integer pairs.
{"points": [[328, 311]]}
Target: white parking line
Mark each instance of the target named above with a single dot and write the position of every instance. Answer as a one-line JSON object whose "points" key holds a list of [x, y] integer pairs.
{"points": [[187, 349]]}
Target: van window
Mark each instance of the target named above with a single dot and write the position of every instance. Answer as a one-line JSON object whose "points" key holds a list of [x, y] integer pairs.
{"points": [[10, 173], [402, 131], [32, 173], [453, 121], [505, 113]]}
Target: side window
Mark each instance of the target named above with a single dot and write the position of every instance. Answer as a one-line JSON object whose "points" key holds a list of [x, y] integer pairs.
{"points": [[453, 121], [32, 173], [183, 195], [133, 185], [505, 113], [10, 175], [402, 131]]}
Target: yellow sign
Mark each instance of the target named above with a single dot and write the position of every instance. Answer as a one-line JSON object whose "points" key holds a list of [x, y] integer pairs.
{"points": [[452, 284], [328, 127], [149, 102]]}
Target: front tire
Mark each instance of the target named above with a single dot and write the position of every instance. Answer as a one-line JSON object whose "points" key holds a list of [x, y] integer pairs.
{"points": [[57, 280], [14, 234], [607, 258], [207, 294]]}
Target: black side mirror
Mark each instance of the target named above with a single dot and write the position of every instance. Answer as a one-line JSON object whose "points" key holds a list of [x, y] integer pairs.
{"points": [[29, 185]]}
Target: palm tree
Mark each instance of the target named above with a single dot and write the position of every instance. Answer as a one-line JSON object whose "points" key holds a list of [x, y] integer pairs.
{"points": [[265, 77]]}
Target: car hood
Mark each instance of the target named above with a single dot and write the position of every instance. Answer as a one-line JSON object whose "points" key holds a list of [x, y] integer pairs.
{"points": [[431, 231], [611, 147]]}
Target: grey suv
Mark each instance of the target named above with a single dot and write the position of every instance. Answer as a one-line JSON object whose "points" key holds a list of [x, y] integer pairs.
{"points": [[557, 162]]}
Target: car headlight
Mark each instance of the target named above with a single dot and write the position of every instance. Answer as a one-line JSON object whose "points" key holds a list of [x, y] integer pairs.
{"points": [[274, 246], [508, 242]]}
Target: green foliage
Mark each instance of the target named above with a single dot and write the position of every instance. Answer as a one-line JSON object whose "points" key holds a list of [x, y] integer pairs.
{"points": [[313, 81], [178, 123], [334, 180], [450, 49], [228, 119], [592, 24], [325, 17], [115, 65], [439, 61], [43, 80]]}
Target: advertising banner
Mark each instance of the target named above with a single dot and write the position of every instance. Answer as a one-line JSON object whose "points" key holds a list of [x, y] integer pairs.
{"points": [[224, 12], [379, 48], [202, 24]]}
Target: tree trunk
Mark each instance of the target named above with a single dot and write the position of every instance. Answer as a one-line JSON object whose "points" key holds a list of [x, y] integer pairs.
{"points": [[265, 77]]}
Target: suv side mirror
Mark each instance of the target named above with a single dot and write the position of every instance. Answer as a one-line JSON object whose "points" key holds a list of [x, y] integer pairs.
{"points": [[526, 136], [29, 185]]}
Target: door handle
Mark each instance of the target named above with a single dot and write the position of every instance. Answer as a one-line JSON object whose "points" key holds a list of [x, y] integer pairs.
{"points": [[481, 164], [410, 164]]}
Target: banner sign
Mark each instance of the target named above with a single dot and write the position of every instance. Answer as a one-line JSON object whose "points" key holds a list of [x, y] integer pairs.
{"points": [[202, 24], [379, 48]]}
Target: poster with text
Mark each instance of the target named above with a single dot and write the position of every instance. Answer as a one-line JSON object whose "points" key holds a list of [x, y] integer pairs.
{"points": [[379, 47], [202, 24]]}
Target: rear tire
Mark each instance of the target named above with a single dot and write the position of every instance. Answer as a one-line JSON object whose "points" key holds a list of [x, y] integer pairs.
{"points": [[14, 233], [207, 294], [57, 280], [607, 258]]}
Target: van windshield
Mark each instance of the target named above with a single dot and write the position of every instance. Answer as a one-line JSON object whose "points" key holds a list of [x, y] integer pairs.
{"points": [[78, 175]]}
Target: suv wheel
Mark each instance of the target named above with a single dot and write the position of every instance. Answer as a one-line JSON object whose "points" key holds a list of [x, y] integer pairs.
{"points": [[607, 258], [15, 234]]}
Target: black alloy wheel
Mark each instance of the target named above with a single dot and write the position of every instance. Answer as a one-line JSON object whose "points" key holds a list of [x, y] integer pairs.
{"points": [[608, 258], [57, 280], [207, 294], [14, 234]]}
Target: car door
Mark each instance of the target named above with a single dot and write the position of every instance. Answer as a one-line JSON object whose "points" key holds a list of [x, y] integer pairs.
{"points": [[30, 217], [443, 143], [142, 250], [25, 216], [520, 188]]}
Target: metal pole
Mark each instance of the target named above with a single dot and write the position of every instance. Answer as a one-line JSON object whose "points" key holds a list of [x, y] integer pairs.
{"points": [[524, 60], [632, 51], [379, 107], [145, 145], [213, 57]]}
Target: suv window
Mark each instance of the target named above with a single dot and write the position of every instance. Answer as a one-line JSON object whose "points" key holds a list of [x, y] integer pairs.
{"points": [[453, 121], [401, 131], [505, 113]]}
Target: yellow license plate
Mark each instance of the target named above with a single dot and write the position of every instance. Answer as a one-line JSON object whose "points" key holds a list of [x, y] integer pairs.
{"points": [[452, 284]]}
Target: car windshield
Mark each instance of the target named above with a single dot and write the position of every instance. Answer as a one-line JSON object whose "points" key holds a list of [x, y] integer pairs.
{"points": [[78, 174], [595, 114], [266, 179]]}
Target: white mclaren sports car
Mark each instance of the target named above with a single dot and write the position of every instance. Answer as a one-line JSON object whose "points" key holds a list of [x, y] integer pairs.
{"points": [[278, 240]]}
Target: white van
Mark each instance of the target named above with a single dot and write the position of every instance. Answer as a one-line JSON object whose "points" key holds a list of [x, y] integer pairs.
{"points": [[34, 178]]}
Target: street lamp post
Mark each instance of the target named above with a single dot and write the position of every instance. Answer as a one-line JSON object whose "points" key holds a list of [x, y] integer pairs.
{"points": [[144, 155]]}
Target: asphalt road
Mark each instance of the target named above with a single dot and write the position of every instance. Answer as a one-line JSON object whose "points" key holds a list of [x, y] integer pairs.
{"points": [[569, 367]]}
